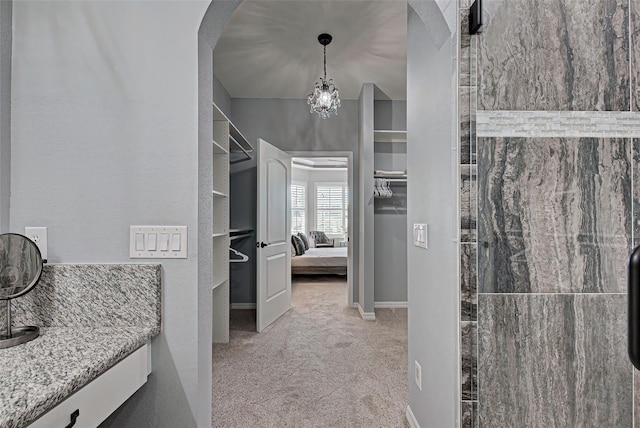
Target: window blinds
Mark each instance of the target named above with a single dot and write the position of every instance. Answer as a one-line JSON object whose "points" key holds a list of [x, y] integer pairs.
{"points": [[298, 208]]}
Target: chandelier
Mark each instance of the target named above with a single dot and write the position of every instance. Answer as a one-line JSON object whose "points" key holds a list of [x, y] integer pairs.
{"points": [[325, 98]]}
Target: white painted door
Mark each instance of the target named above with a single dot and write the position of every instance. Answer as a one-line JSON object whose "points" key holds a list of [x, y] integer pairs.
{"points": [[273, 234]]}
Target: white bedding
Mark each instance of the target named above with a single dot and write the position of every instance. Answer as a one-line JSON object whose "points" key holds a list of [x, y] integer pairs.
{"points": [[321, 257]]}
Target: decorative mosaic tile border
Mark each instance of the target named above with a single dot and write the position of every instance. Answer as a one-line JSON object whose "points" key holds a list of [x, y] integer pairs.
{"points": [[567, 124]]}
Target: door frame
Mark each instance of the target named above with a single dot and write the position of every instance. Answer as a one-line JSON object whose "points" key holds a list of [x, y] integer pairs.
{"points": [[350, 182]]}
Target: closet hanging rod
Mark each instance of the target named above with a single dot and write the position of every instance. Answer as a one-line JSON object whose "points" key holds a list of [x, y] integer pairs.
{"points": [[242, 149], [243, 235]]}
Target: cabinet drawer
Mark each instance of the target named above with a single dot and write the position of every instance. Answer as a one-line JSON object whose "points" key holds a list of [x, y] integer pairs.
{"points": [[100, 397]]}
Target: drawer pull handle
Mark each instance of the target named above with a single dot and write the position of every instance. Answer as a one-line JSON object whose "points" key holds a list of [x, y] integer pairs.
{"points": [[74, 418]]}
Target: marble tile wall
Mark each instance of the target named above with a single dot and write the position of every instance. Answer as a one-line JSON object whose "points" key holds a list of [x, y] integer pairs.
{"points": [[555, 55], [469, 414], [468, 283], [634, 20], [467, 73], [636, 191], [468, 203], [555, 215], [469, 339], [527, 382], [556, 119]]}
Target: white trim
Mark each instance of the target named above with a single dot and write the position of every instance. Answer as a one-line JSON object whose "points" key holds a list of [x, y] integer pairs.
{"points": [[367, 316], [243, 306], [354, 305], [413, 423], [391, 305]]}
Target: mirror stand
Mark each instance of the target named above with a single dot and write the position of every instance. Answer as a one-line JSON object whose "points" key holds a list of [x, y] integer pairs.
{"points": [[17, 335]]}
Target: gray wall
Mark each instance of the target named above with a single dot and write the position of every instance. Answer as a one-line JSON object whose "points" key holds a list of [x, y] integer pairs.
{"points": [[287, 125], [5, 112], [221, 96], [390, 215], [104, 136], [390, 115], [432, 274], [366, 200]]}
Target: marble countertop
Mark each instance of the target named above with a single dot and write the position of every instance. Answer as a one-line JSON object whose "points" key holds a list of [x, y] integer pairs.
{"points": [[37, 375]]}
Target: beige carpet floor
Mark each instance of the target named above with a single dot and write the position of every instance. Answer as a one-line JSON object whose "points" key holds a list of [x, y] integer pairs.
{"points": [[319, 365]]}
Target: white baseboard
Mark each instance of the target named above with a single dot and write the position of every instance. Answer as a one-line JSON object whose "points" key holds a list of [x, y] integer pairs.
{"points": [[367, 316], [391, 305], [243, 306], [413, 423]]}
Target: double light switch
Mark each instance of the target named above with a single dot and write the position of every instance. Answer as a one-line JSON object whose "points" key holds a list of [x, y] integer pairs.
{"points": [[169, 242], [420, 238]]}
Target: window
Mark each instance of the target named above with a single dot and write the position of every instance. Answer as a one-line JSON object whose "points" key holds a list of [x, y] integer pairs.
{"points": [[298, 207], [332, 201]]}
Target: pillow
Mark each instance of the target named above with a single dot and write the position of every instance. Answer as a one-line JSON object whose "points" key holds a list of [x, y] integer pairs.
{"points": [[312, 243], [304, 239], [293, 249], [297, 244]]}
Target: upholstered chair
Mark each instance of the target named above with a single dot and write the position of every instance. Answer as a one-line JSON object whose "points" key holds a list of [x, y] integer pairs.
{"points": [[320, 239]]}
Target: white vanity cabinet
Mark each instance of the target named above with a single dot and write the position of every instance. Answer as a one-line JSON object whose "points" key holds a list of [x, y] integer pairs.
{"points": [[102, 396]]}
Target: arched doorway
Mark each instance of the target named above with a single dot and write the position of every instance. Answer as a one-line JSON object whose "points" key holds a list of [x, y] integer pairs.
{"points": [[442, 395]]}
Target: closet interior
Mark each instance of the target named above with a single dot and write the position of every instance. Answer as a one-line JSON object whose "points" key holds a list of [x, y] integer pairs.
{"points": [[390, 203], [229, 147]]}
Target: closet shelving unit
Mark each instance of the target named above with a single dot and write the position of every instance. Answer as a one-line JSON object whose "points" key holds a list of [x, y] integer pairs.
{"points": [[229, 146], [393, 137], [389, 136]]}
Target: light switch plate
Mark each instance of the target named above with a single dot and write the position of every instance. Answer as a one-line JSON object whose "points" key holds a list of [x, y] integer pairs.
{"points": [[151, 248], [39, 236], [421, 235]]}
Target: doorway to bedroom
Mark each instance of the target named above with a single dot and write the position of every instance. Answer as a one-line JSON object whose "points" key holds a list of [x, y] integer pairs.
{"points": [[321, 254]]}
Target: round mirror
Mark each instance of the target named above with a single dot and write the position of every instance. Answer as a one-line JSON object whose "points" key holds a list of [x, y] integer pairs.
{"points": [[20, 265]]}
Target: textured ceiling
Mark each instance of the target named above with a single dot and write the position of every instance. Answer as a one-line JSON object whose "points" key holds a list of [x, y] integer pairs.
{"points": [[269, 49]]}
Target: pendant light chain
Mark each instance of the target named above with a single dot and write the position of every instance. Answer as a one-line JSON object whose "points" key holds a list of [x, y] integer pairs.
{"points": [[325, 62]]}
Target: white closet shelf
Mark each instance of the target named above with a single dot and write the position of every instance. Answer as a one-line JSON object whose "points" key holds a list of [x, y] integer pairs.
{"points": [[219, 235], [218, 149], [218, 284], [389, 136], [219, 194], [242, 144]]}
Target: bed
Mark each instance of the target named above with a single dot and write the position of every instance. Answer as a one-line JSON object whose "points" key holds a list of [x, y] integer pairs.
{"points": [[320, 261]]}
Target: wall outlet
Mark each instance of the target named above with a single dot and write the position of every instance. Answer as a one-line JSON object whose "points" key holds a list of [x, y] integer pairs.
{"points": [[39, 236], [418, 374]]}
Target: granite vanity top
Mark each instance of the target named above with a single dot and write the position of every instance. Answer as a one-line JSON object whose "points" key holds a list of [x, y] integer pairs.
{"points": [[90, 317], [36, 376]]}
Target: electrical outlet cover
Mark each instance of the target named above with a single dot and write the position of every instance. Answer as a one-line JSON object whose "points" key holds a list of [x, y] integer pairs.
{"points": [[39, 236]]}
